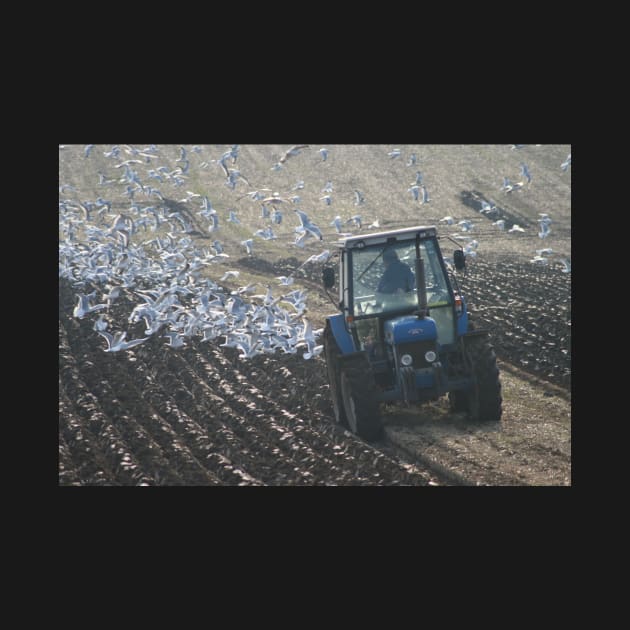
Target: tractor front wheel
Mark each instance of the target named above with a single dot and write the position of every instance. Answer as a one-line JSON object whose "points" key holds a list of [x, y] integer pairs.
{"points": [[359, 402], [332, 352]]}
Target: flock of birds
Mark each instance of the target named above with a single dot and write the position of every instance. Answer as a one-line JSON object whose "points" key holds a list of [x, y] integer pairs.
{"points": [[165, 273], [491, 209], [148, 250], [181, 303]]}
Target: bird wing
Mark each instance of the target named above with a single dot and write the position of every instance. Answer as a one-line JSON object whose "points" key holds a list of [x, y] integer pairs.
{"points": [[224, 167], [108, 337], [303, 217], [314, 230], [133, 342]]}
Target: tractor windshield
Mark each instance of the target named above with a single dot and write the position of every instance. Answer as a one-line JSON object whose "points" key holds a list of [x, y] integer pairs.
{"points": [[383, 278]]}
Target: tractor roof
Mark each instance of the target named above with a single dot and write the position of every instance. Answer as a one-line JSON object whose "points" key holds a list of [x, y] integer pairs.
{"points": [[376, 238]]}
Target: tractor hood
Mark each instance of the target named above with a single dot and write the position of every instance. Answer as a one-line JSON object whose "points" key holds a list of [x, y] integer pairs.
{"points": [[409, 328]]}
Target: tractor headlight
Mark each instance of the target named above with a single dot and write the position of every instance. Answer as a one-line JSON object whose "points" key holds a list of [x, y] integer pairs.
{"points": [[406, 360], [430, 356]]}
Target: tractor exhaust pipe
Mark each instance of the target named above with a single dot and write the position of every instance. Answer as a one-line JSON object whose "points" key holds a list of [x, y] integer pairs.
{"points": [[421, 287]]}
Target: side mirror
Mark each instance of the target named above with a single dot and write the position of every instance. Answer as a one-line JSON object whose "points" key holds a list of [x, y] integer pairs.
{"points": [[459, 259], [328, 277]]}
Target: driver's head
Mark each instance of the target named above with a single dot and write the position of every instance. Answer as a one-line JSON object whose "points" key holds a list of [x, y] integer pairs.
{"points": [[389, 255]]}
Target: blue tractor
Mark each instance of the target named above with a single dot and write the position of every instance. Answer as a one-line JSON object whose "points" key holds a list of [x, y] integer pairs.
{"points": [[413, 343]]}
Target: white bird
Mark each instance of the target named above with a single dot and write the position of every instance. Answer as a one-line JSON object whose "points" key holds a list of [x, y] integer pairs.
{"points": [[255, 195], [248, 245], [324, 153], [374, 224], [249, 345], [356, 219], [103, 180], [232, 176], [232, 273], [448, 220], [415, 192], [328, 188], [566, 265], [189, 195], [358, 198], [486, 208], [266, 234], [500, 224], [114, 292], [425, 194], [103, 203], [317, 258], [547, 251], [516, 228], [308, 337], [175, 340], [285, 280], [413, 158], [233, 218], [327, 199], [117, 342], [544, 229], [114, 153], [305, 224], [83, 307], [300, 239], [337, 223], [469, 250], [508, 186], [394, 154], [539, 260], [312, 351], [565, 165], [127, 162], [101, 323], [275, 199], [525, 173], [294, 150], [467, 226], [214, 222]]}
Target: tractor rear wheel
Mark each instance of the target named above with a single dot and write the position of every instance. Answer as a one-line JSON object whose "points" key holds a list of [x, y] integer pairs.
{"points": [[482, 401], [360, 404], [332, 353], [458, 401]]}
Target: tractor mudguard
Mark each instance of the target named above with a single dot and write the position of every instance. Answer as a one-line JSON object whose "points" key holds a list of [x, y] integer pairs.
{"points": [[342, 337], [477, 332]]}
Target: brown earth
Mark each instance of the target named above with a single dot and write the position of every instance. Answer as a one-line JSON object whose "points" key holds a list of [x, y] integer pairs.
{"points": [[199, 415]]}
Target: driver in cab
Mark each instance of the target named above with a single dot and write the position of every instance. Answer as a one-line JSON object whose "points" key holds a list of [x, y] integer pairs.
{"points": [[398, 277]]}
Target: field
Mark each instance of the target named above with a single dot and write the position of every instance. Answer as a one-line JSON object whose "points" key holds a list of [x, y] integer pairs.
{"points": [[136, 219]]}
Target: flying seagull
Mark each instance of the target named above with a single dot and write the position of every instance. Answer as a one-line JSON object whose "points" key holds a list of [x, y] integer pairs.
{"points": [[83, 307], [116, 343], [294, 150]]}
